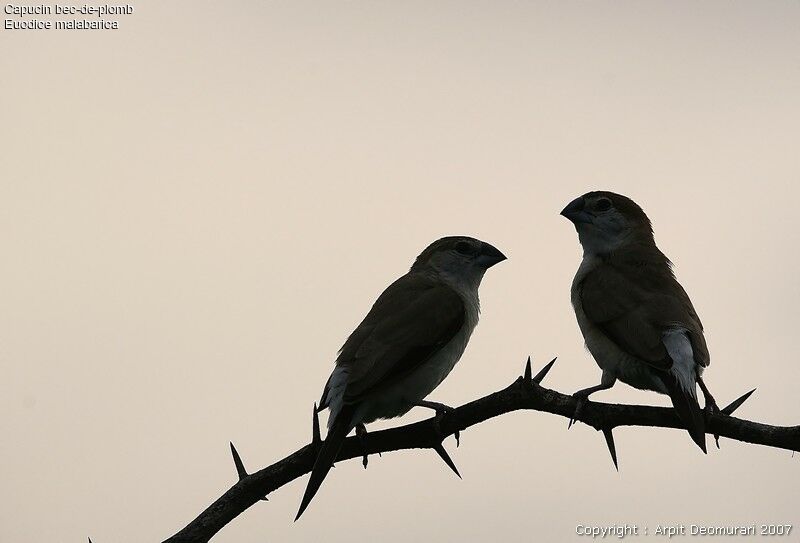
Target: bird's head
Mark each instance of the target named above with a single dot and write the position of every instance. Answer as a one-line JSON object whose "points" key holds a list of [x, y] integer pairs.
{"points": [[606, 221], [458, 257]]}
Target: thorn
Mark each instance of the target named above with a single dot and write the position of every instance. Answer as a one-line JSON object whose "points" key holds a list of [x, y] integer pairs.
{"points": [[578, 410], [543, 371], [527, 375], [90, 540], [446, 457], [457, 435], [708, 411], [316, 439], [237, 460], [607, 432], [736, 403]]}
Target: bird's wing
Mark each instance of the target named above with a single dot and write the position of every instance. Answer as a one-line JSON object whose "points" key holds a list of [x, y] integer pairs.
{"points": [[635, 305], [413, 318]]}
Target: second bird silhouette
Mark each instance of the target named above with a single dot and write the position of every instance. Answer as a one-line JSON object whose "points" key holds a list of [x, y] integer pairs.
{"points": [[406, 345], [636, 319]]}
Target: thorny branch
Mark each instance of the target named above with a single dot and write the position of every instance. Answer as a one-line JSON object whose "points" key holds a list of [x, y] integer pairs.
{"points": [[524, 393]]}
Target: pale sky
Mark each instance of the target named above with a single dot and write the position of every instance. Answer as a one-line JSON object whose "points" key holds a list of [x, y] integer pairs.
{"points": [[198, 208]]}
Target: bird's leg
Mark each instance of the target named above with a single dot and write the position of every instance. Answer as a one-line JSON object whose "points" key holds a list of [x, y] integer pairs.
{"points": [[440, 409], [711, 403], [361, 432], [606, 381]]}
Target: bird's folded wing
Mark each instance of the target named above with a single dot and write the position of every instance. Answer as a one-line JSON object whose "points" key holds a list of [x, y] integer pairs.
{"points": [[634, 308], [410, 322]]}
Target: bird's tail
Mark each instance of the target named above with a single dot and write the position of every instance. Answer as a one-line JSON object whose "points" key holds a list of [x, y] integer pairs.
{"points": [[330, 449], [685, 402]]}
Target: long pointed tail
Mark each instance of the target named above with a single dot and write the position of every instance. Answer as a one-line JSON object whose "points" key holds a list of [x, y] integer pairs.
{"points": [[685, 403], [327, 454]]}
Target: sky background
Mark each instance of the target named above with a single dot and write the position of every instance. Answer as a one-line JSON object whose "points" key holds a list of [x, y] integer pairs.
{"points": [[198, 208]]}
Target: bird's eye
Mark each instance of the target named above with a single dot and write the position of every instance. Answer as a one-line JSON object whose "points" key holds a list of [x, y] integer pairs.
{"points": [[603, 204], [464, 247]]}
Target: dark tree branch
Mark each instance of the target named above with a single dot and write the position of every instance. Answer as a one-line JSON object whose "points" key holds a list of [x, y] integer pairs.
{"points": [[524, 393]]}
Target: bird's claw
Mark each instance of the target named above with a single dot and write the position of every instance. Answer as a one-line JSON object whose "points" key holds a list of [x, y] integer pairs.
{"points": [[581, 399], [361, 433], [439, 414], [441, 410], [711, 408]]}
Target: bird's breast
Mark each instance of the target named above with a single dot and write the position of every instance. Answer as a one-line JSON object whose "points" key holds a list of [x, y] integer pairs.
{"points": [[588, 264], [604, 351]]}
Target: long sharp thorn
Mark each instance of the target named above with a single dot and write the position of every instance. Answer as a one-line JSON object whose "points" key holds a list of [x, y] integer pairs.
{"points": [[316, 439], [527, 375], [446, 457], [457, 435], [607, 432], [237, 460], [542, 372], [735, 404]]}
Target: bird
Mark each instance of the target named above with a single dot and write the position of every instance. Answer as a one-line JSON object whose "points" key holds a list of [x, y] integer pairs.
{"points": [[636, 319], [407, 344]]}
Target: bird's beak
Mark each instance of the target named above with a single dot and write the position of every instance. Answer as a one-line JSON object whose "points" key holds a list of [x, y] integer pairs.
{"points": [[489, 256], [576, 213]]}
